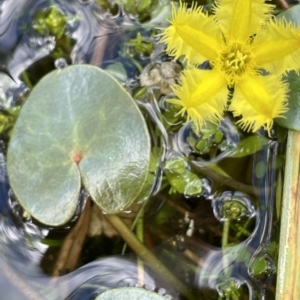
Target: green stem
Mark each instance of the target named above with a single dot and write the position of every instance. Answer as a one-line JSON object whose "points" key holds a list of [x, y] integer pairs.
{"points": [[234, 297], [206, 171], [225, 234], [140, 229], [147, 256], [226, 226], [242, 229], [138, 216], [140, 236], [137, 65]]}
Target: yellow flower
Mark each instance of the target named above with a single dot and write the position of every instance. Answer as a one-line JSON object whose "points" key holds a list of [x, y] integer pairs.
{"points": [[246, 49]]}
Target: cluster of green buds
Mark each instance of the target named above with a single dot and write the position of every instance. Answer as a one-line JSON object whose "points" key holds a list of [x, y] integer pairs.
{"points": [[50, 21], [233, 210], [181, 179], [139, 8], [208, 138], [232, 206], [229, 289]]}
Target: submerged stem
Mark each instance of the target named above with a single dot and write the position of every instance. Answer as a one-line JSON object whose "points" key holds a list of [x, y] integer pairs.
{"points": [[225, 234], [147, 256], [226, 227], [140, 236], [138, 216], [206, 171]]}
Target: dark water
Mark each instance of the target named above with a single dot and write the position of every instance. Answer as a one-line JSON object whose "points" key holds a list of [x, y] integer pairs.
{"points": [[187, 238]]}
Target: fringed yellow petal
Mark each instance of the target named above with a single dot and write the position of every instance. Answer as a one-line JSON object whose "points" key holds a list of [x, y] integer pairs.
{"points": [[259, 99], [192, 33], [202, 94], [239, 26], [277, 48], [240, 19]]}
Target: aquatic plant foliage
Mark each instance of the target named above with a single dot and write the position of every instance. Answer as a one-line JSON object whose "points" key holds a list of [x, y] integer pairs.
{"points": [[78, 127], [248, 51], [292, 116]]}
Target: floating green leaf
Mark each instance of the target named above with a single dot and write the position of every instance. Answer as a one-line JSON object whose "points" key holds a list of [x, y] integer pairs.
{"points": [[250, 145], [78, 126], [132, 293], [259, 266], [292, 116]]}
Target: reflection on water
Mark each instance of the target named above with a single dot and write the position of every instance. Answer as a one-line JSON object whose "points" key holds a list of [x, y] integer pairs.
{"points": [[21, 252], [188, 243]]}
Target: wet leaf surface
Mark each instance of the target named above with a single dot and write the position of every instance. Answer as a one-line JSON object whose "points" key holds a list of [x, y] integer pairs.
{"points": [[292, 116], [78, 126], [132, 293]]}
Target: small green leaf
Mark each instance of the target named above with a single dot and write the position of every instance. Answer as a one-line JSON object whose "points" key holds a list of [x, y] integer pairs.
{"points": [[250, 145], [132, 293], [259, 266], [78, 126], [260, 169]]}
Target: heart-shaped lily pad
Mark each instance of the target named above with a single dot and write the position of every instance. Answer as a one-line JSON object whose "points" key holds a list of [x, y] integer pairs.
{"points": [[132, 293], [78, 126]]}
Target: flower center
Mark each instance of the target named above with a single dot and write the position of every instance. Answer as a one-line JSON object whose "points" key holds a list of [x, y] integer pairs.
{"points": [[234, 61]]}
